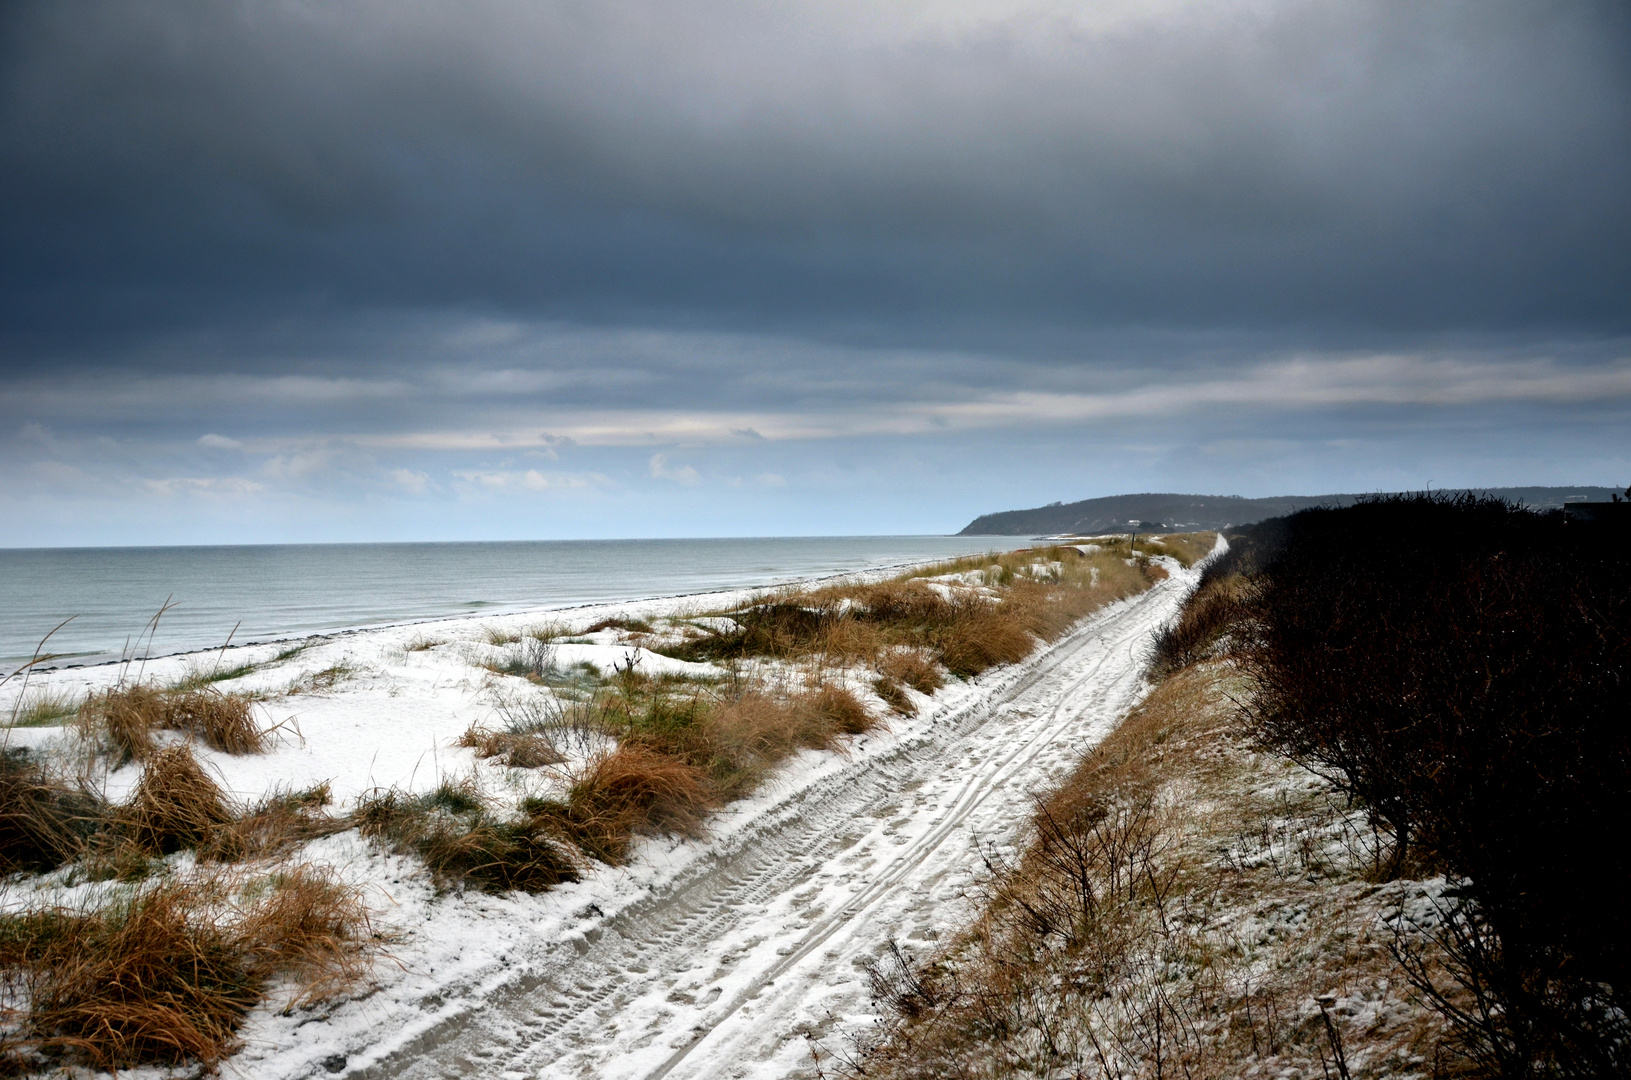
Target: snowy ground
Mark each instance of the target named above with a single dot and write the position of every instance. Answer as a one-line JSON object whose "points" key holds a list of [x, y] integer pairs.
{"points": [[729, 956]]}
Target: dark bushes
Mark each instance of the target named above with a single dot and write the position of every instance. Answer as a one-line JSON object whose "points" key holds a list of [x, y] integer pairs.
{"points": [[1463, 666]]}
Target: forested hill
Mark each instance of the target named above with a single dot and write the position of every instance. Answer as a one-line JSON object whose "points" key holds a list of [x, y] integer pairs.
{"points": [[1151, 510]]}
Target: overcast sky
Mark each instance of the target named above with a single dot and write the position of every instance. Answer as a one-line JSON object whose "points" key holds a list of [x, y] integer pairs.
{"points": [[486, 269]]}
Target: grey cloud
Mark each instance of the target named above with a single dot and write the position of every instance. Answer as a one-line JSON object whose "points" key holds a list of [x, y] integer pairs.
{"points": [[826, 169]]}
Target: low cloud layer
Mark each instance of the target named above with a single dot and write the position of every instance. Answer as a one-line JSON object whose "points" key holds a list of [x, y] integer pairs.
{"points": [[796, 267]]}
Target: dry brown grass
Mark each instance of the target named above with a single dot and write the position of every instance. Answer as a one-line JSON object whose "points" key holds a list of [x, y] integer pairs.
{"points": [[983, 637], [1181, 908], [126, 720], [273, 826], [1202, 628], [516, 750], [746, 735], [634, 789], [127, 717], [913, 667], [462, 844], [1187, 548], [44, 822], [894, 695], [165, 976], [223, 721], [176, 805], [841, 711], [308, 926], [156, 981], [999, 608]]}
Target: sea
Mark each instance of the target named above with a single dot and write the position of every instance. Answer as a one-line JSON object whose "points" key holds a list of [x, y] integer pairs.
{"points": [[106, 603]]}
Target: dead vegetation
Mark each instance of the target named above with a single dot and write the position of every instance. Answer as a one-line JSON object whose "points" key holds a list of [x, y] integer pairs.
{"points": [[968, 615], [1187, 548], [127, 719], [166, 974], [639, 754], [176, 805], [1186, 907], [162, 969], [44, 821], [461, 841]]}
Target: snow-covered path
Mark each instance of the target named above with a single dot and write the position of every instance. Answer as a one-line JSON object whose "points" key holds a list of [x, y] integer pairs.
{"points": [[754, 953]]}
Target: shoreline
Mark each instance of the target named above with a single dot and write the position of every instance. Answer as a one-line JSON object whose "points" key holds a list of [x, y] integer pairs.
{"points": [[45, 618]]}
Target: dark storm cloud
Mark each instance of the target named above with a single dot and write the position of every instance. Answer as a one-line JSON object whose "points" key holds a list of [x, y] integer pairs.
{"points": [[940, 173]]}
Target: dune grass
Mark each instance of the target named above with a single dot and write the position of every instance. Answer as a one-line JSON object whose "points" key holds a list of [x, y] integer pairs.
{"points": [[125, 720], [165, 975], [993, 610], [162, 970], [462, 842], [44, 708]]}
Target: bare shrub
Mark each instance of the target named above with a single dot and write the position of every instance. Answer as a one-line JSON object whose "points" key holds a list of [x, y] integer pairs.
{"points": [[1460, 665], [1119, 945]]}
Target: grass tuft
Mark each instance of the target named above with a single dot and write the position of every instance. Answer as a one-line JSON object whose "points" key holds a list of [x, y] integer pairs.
{"points": [[45, 708], [634, 789], [894, 696], [463, 845], [165, 976], [516, 750], [176, 804], [43, 822], [152, 981], [126, 720]]}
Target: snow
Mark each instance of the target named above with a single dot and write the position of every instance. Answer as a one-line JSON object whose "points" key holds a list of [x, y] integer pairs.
{"points": [[700, 958]]}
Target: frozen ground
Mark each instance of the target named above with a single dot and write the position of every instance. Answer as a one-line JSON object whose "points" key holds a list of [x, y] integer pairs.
{"points": [[733, 956]]}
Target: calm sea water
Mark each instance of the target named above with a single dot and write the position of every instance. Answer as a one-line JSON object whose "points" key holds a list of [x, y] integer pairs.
{"points": [[287, 590]]}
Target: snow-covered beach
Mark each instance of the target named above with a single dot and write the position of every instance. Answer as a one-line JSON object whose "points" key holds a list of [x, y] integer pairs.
{"points": [[739, 947]]}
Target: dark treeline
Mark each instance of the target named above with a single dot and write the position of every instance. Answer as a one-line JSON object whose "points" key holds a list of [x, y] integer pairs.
{"points": [[1461, 667]]}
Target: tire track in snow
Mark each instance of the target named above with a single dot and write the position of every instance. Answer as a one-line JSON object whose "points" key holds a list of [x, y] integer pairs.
{"points": [[619, 1003]]}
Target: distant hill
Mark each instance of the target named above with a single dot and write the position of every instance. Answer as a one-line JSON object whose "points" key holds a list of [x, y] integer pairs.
{"points": [[1150, 510]]}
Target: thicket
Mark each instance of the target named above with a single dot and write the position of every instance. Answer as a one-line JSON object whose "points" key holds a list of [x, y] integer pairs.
{"points": [[1463, 667]]}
